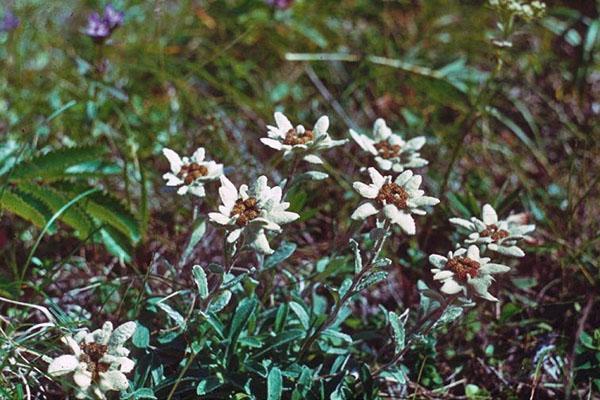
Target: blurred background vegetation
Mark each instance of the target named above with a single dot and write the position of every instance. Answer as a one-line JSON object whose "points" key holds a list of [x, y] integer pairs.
{"points": [[76, 115]]}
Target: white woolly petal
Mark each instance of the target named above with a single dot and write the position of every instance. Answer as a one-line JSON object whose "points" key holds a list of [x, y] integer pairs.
{"points": [[364, 142], [492, 268], [120, 335], [413, 183], [381, 130], [473, 252], [234, 235], [489, 215], [442, 275], [275, 144], [364, 211], [377, 179], [462, 222], [219, 218], [63, 365], [127, 365], [512, 251], [404, 177], [172, 179], [82, 377], [113, 380], [321, 126], [199, 155], [282, 122], [415, 143], [227, 192], [313, 159], [404, 220], [260, 243], [425, 201], [183, 190], [437, 261], [383, 163], [450, 286], [174, 160], [283, 217], [367, 191]]}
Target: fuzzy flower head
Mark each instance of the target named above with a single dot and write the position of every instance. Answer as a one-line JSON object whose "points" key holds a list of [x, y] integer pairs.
{"points": [[251, 211], [99, 27], [284, 137], [464, 270], [524, 9], [98, 362], [497, 235], [391, 152], [190, 173], [396, 200]]}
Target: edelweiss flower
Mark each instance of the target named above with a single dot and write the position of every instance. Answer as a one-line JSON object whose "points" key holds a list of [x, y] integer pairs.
{"points": [[99, 361], [191, 173], [500, 236], [390, 150], [397, 199], [465, 267], [251, 211], [290, 140]]}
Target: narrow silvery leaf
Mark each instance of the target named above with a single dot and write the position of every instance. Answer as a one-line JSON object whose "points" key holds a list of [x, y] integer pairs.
{"points": [[274, 384], [357, 258], [301, 314], [201, 282], [450, 314], [220, 302], [371, 280], [398, 330], [281, 254], [197, 234]]}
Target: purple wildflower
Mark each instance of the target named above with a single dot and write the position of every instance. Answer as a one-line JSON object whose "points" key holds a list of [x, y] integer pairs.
{"points": [[281, 4], [99, 27], [113, 17], [9, 22]]}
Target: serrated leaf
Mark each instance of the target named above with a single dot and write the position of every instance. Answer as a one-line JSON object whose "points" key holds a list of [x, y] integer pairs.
{"points": [[201, 282], [55, 200], [116, 243], [54, 163], [17, 205], [274, 384]]}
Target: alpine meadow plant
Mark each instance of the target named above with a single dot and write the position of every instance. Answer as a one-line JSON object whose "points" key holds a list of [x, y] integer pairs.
{"points": [[252, 307]]}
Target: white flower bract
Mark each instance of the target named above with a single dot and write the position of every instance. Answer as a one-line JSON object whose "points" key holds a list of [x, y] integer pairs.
{"points": [[284, 137], [464, 269], [497, 235], [396, 200], [390, 150], [190, 173], [252, 211], [98, 362]]}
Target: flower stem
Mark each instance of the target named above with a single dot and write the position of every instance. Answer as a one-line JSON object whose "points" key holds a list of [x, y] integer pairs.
{"points": [[349, 293]]}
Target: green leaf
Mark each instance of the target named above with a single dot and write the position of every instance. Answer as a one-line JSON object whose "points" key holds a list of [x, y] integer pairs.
{"points": [[16, 204], [357, 257], [54, 163], [197, 233], [371, 280], [274, 384], [450, 314], [55, 200], [242, 314], [207, 385], [398, 329], [116, 243], [281, 254], [172, 313], [201, 282], [220, 302], [141, 336], [301, 314]]}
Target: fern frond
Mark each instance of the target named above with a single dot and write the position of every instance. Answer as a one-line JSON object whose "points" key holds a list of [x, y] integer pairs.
{"points": [[53, 165], [17, 204]]}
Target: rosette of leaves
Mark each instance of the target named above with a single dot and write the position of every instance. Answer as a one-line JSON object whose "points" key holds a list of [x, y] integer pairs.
{"points": [[58, 185]]}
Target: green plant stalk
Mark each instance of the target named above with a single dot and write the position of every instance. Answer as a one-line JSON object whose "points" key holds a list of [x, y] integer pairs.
{"points": [[50, 222], [333, 316]]}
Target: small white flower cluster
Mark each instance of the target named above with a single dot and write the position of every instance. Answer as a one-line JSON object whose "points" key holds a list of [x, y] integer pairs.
{"points": [[464, 269], [525, 10], [98, 362]]}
